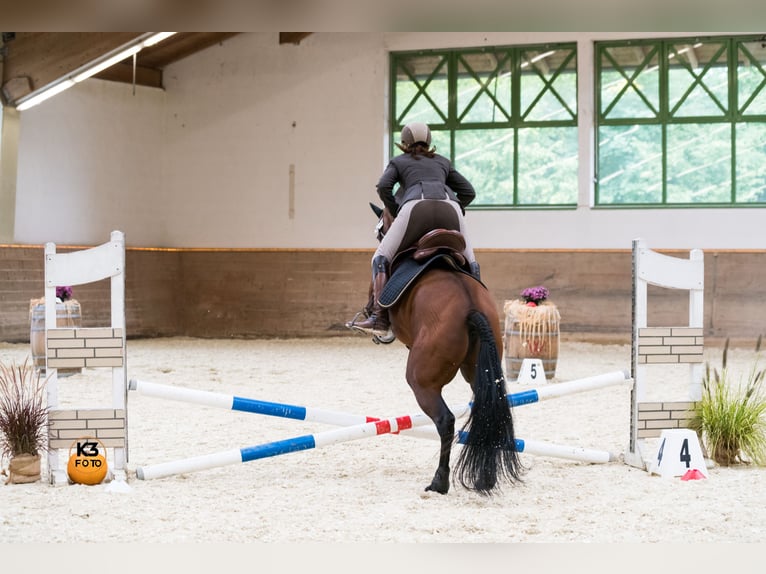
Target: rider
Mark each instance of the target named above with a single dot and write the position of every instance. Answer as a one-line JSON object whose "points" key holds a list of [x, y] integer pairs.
{"points": [[424, 177]]}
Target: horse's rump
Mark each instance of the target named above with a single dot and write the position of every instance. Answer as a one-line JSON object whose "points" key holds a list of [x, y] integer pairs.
{"points": [[450, 323], [440, 300]]}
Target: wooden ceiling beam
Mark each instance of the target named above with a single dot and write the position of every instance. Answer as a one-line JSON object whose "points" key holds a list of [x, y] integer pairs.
{"points": [[123, 72], [43, 57], [32, 60], [179, 46]]}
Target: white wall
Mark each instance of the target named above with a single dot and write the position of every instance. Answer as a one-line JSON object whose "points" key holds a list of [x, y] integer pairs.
{"points": [[207, 163], [89, 163]]}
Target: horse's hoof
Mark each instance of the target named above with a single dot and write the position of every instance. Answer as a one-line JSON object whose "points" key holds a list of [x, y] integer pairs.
{"points": [[440, 488]]}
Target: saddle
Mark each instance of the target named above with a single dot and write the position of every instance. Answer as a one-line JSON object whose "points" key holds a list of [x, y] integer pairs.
{"points": [[442, 247], [445, 241]]}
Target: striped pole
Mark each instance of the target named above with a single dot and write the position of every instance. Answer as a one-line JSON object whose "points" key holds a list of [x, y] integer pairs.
{"points": [[310, 414], [342, 434], [569, 388], [562, 451], [305, 442], [535, 447], [235, 403], [354, 426]]}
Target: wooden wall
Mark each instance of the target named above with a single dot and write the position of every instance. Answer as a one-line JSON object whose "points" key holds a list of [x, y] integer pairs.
{"points": [[311, 293]]}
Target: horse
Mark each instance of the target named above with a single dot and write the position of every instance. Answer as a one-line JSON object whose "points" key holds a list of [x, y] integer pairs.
{"points": [[448, 321]]}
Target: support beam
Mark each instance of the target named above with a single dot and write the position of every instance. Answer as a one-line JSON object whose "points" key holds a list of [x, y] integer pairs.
{"points": [[9, 152]]}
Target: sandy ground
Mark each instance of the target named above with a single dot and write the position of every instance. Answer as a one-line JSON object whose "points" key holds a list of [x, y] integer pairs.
{"points": [[371, 490]]}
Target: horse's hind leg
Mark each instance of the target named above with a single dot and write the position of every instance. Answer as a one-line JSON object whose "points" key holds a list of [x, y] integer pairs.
{"points": [[445, 425], [434, 406]]}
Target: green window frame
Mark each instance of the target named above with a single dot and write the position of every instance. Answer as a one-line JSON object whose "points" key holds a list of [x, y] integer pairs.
{"points": [[681, 122], [506, 116]]}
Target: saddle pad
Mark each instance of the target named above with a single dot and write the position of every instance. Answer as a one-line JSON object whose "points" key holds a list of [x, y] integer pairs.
{"points": [[406, 273]]}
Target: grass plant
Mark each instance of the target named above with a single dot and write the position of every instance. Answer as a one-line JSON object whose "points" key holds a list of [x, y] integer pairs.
{"points": [[731, 417], [23, 410]]}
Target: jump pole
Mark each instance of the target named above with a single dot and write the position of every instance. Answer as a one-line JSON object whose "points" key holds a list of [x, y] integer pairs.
{"points": [[284, 410], [335, 436], [352, 428], [535, 447], [305, 442]]}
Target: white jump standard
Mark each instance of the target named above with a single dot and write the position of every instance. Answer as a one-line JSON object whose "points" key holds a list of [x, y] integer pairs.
{"points": [[654, 346]]}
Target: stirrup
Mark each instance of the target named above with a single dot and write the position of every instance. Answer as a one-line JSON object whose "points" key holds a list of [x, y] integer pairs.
{"points": [[386, 339], [360, 316], [377, 338], [369, 330]]}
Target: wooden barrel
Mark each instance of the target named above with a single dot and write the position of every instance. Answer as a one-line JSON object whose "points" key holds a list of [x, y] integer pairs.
{"points": [[530, 333], [67, 315]]}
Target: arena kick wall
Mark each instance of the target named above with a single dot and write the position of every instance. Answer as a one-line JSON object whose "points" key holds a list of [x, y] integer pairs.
{"points": [[311, 293]]}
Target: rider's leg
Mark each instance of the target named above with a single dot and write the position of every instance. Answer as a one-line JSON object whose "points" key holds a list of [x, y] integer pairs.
{"points": [[475, 270], [377, 323], [389, 246]]}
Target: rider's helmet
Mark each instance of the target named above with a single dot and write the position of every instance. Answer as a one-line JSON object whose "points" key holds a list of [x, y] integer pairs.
{"points": [[416, 132]]}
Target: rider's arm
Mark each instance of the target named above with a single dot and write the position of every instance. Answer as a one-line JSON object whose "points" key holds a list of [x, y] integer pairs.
{"points": [[461, 186], [386, 187]]}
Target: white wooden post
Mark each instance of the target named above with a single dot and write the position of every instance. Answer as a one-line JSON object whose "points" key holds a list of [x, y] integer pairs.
{"points": [[77, 268], [652, 268]]}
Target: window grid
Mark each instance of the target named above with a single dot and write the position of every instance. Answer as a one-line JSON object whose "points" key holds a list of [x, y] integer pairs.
{"points": [[713, 87], [480, 125]]}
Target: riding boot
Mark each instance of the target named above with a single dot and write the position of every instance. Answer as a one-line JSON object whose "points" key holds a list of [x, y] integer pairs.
{"points": [[475, 270], [377, 323]]}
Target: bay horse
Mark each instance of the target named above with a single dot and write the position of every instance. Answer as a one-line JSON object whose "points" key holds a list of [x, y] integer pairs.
{"points": [[448, 321]]}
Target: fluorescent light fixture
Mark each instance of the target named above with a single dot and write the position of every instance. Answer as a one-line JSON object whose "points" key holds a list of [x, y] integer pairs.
{"points": [[49, 92], [156, 38], [108, 63], [91, 69]]}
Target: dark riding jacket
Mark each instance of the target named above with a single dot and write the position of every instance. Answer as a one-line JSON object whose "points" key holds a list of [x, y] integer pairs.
{"points": [[423, 177]]}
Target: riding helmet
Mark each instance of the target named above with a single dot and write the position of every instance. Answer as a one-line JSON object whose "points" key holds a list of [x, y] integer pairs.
{"points": [[416, 132]]}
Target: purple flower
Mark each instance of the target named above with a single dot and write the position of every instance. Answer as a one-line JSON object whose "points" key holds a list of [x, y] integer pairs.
{"points": [[535, 294], [64, 292]]}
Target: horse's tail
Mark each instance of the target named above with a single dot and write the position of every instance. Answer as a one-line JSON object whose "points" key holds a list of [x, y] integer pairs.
{"points": [[489, 452]]}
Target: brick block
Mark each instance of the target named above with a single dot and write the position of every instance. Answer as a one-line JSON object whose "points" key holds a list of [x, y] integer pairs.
{"points": [[687, 331], [680, 341], [654, 332], [648, 341], [68, 425], [654, 350], [55, 363], [659, 359]]}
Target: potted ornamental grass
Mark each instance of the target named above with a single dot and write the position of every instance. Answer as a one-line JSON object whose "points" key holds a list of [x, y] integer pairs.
{"points": [[23, 420], [531, 331], [730, 419]]}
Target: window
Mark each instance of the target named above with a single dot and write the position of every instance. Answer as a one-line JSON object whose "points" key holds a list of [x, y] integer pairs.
{"points": [[681, 122], [505, 116]]}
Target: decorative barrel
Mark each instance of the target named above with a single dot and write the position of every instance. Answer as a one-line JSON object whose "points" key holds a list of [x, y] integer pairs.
{"points": [[530, 333], [67, 315]]}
